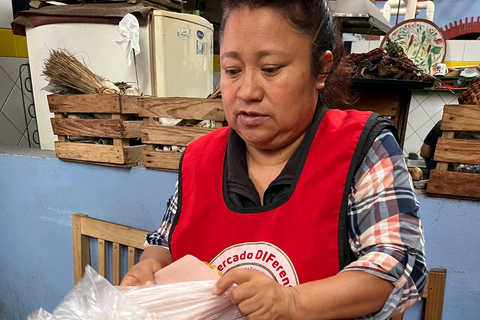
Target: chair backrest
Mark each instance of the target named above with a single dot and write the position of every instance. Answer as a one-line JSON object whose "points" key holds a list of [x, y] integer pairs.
{"points": [[432, 296], [118, 235]]}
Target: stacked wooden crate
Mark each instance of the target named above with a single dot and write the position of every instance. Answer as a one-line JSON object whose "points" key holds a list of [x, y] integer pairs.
{"points": [[451, 151], [115, 124], [156, 135]]}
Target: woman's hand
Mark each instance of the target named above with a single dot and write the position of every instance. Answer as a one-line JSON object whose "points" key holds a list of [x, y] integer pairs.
{"points": [[258, 296], [142, 273], [153, 259]]}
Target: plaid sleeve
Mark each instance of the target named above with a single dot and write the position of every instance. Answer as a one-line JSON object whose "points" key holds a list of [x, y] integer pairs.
{"points": [[385, 228], [160, 236]]}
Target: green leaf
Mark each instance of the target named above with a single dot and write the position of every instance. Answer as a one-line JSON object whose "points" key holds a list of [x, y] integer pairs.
{"points": [[430, 61], [414, 53], [423, 36], [436, 50]]}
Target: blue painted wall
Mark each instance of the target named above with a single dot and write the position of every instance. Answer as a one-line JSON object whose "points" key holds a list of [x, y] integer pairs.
{"points": [[39, 193]]}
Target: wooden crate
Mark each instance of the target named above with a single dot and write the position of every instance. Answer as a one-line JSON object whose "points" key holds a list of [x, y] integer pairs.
{"points": [[154, 134], [119, 127], [449, 150]]}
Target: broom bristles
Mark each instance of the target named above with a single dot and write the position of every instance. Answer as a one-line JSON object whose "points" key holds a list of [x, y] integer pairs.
{"points": [[64, 69]]}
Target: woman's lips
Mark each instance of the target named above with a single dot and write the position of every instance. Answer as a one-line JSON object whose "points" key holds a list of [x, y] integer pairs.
{"points": [[251, 118]]}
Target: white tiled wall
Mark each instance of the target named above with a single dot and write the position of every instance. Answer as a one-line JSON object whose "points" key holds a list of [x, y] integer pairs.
{"points": [[426, 109], [13, 110], [455, 50], [472, 51]]}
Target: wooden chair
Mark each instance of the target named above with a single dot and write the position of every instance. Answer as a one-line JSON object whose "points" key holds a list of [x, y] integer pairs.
{"points": [[85, 228], [432, 296]]}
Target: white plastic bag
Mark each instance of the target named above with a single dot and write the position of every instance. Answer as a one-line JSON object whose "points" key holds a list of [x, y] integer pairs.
{"points": [[129, 36], [95, 298]]}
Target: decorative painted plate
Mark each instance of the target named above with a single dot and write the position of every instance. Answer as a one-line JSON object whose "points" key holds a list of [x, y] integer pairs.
{"points": [[422, 41]]}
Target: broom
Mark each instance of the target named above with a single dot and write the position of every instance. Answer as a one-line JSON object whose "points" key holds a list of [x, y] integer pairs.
{"points": [[62, 68]]}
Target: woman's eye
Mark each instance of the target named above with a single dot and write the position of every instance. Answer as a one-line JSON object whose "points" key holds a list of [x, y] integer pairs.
{"points": [[270, 70], [232, 72]]}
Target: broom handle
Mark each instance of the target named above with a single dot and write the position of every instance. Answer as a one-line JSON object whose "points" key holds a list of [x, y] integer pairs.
{"points": [[135, 64]]}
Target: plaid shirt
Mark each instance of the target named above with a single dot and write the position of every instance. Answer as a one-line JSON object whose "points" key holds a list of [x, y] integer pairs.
{"points": [[385, 228]]}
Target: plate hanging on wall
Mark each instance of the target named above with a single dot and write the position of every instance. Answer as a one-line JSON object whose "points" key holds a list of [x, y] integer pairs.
{"points": [[422, 41]]}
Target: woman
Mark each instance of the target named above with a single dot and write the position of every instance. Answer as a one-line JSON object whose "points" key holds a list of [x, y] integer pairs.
{"points": [[310, 211]]}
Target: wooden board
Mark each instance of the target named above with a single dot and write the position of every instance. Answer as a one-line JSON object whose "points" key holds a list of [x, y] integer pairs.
{"points": [[461, 117], [435, 293], [383, 103], [133, 154], [182, 108], [103, 128], [457, 151], [84, 103], [98, 153], [454, 183], [172, 135], [161, 160], [107, 231]]}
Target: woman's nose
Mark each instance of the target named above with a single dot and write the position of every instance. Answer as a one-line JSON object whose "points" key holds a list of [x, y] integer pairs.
{"points": [[250, 88]]}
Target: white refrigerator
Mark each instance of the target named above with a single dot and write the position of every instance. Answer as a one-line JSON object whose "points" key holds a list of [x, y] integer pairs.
{"points": [[182, 55], [175, 59]]}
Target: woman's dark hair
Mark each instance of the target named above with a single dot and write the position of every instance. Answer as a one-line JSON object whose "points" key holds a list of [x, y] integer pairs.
{"points": [[313, 19]]}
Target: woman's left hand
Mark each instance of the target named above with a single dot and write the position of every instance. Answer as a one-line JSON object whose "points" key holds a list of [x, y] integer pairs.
{"points": [[257, 296]]}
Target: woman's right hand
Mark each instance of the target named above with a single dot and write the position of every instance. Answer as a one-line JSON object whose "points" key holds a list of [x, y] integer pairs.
{"points": [[152, 259], [142, 273]]}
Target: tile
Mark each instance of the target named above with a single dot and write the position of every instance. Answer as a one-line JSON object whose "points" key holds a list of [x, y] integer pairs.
{"points": [[9, 134], [417, 118], [374, 45], [27, 88], [409, 131], [21, 46], [216, 80], [423, 131], [7, 44], [433, 104], [437, 117], [33, 143], [13, 109], [6, 86], [448, 97], [421, 96], [455, 50], [33, 133], [472, 51], [413, 144], [23, 142], [454, 64], [413, 105], [12, 66], [359, 46]]}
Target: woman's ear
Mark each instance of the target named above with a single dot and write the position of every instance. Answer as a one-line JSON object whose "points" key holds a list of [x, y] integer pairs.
{"points": [[326, 65]]}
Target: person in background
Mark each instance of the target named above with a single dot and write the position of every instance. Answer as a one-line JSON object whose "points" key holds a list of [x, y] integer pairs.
{"points": [[309, 210], [429, 145]]}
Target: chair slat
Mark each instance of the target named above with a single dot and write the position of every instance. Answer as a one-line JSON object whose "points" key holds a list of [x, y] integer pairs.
{"points": [[116, 264], [81, 252], [436, 292], [131, 257], [102, 258], [84, 228]]}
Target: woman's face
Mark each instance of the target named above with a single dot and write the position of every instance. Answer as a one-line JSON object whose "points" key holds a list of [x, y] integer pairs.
{"points": [[269, 93]]}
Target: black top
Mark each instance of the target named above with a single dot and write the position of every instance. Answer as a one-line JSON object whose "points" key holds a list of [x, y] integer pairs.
{"points": [[431, 140]]}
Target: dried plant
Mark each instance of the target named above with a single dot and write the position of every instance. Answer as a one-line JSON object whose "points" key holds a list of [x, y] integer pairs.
{"points": [[63, 69]]}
